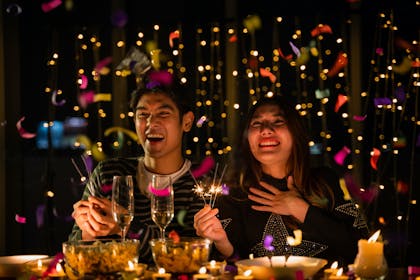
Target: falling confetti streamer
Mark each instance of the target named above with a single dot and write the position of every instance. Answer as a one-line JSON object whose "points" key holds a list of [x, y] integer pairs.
{"points": [[22, 132]]}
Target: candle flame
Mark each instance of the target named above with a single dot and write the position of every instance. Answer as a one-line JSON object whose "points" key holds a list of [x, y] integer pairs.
{"points": [[39, 264], [340, 272], [130, 265], [161, 270], [334, 265], [248, 272], [213, 263], [202, 270], [58, 268], [251, 256], [374, 237]]}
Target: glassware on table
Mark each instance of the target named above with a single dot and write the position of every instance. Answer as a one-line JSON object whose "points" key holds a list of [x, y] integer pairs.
{"points": [[162, 201], [123, 202]]}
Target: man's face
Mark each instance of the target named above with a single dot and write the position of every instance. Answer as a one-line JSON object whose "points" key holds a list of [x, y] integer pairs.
{"points": [[158, 125]]}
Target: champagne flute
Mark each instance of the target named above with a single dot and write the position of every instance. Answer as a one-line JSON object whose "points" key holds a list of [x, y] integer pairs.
{"points": [[123, 202], [162, 202]]}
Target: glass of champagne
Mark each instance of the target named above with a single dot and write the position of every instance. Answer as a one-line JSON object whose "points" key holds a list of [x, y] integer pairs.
{"points": [[162, 201], [123, 202]]}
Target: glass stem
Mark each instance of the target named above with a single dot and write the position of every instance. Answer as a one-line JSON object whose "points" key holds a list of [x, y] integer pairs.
{"points": [[162, 233]]}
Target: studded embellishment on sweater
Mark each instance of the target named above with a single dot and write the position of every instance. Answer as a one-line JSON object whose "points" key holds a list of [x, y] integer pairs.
{"points": [[351, 210], [276, 228], [225, 222]]}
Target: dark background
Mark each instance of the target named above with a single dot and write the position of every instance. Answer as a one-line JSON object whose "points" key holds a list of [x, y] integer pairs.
{"points": [[30, 35]]}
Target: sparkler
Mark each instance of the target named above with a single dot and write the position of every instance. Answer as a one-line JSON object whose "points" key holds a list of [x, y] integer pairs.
{"points": [[209, 191]]}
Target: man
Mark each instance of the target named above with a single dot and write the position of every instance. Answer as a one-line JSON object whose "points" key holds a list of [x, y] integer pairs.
{"points": [[162, 116]]}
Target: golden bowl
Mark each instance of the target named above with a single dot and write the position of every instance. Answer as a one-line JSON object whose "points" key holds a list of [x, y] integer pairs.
{"points": [[185, 256], [99, 257]]}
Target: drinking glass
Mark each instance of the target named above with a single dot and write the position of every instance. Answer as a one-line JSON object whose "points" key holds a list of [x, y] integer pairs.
{"points": [[162, 201], [123, 202]]}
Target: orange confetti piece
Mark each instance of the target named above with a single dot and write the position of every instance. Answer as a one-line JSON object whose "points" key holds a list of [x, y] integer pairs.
{"points": [[174, 236], [339, 64], [172, 36], [22, 132], [265, 73], [321, 28], [288, 57], [233, 39], [374, 158], [340, 101]]}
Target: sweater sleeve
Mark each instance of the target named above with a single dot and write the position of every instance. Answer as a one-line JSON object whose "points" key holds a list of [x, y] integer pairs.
{"points": [[340, 228]]}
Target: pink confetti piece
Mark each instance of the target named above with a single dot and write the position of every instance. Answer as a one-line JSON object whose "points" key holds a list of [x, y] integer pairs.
{"points": [[20, 219], [206, 165], [54, 99], [49, 6], [225, 189], [359, 118], [380, 51], [341, 99], [106, 188], [356, 191], [86, 98], [341, 155], [160, 78], [83, 82], [101, 64], [172, 36], [22, 132], [160, 192]]}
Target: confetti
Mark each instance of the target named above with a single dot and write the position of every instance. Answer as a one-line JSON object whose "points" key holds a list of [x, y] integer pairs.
{"points": [[339, 64], [266, 73], [341, 155], [321, 28], [180, 217], [20, 219], [54, 99], [267, 243], [160, 192], [173, 35], [49, 6], [22, 132], [341, 99], [374, 158]]}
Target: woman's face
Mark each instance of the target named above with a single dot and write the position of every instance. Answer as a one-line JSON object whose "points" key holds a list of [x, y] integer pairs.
{"points": [[269, 137]]}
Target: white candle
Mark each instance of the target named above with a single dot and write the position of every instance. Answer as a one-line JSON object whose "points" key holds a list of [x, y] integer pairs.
{"points": [[202, 274], [338, 276], [370, 261], [247, 275], [161, 275], [330, 271]]}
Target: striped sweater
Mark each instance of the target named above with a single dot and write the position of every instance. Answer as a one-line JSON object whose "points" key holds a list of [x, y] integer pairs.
{"points": [[187, 203]]}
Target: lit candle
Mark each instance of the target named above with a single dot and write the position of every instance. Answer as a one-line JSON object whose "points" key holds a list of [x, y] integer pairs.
{"points": [[202, 274], [161, 275], [370, 261], [58, 272], [247, 275], [339, 275], [214, 268], [330, 271], [134, 270]]}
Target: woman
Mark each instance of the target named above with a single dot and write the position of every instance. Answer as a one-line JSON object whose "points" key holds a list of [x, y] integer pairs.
{"points": [[276, 192]]}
